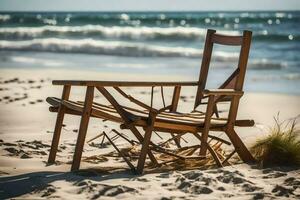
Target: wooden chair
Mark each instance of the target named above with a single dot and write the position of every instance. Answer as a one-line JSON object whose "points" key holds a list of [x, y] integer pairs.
{"points": [[166, 119]]}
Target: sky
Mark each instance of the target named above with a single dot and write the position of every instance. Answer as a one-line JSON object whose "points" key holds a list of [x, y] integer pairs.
{"points": [[147, 5]]}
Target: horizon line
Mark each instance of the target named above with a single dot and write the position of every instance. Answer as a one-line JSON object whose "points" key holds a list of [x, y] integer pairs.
{"points": [[153, 11]]}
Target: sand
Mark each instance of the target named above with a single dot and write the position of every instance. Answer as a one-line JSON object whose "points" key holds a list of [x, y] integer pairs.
{"points": [[26, 128]]}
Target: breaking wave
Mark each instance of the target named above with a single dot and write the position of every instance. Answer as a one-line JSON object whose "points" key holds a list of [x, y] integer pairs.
{"points": [[91, 46]]}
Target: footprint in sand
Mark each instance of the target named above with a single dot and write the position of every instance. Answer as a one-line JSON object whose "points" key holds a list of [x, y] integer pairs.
{"points": [[258, 196], [95, 190], [292, 181], [9, 144], [192, 187], [234, 177], [250, 188], [283, 191], [11, 80], [274, 174], [221, 188], [25, 150], [3, 89], [30, 81], [192, 175], [46, 192]]}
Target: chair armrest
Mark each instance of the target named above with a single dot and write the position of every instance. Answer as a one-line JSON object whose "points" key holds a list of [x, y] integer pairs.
{"points": [[121, 83], [224, 92]]}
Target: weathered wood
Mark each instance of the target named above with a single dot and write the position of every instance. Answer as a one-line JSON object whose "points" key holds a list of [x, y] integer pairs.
{"points": [[240, 147], [145, 144], [175, 99], [120, 153], [243, 60], [174, 105], [227, 40], [172, 122], [209, 112], [132, 99], [162, 95], [83, 127], [121, 83], [230, 92], [58, 125], [94, 138], [208, 47], [132, 142], [128, 123]]}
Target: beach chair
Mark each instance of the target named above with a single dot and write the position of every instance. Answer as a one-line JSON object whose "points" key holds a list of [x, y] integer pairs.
{"points": [[166, 119]]}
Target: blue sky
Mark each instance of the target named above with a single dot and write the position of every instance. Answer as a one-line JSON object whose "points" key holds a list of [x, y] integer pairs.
{"points": [[147, 5]]}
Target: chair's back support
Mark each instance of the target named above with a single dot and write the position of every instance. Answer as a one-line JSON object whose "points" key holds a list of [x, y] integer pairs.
{"points": [[236, 79]]}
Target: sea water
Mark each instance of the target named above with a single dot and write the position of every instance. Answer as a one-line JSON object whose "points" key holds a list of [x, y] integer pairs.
{"points": [[153, 43]]}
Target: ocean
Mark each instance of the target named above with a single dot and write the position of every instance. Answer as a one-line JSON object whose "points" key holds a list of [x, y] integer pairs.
{"points": [[168, 43]]}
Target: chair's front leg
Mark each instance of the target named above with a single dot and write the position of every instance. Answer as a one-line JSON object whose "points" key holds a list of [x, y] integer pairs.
{"points": [[208, 115], [58, 125], [146, 143], [83, 127]]}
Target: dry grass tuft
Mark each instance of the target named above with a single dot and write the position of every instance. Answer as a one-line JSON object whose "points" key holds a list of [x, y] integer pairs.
{"points": [[281, 147]]}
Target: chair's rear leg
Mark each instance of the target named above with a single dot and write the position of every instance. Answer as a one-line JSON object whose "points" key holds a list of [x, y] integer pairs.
{"points": [[239, 146], [145, 145], [58, 125], [83, 127]]}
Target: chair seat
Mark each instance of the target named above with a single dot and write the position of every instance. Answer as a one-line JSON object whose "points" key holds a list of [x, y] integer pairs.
{"points": [[165, 121]]}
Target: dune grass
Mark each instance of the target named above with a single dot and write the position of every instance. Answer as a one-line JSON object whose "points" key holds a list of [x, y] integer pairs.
{"points": [[281, 147]]}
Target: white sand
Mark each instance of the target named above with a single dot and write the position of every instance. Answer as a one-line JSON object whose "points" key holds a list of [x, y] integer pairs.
{"points": [[27, 118]]}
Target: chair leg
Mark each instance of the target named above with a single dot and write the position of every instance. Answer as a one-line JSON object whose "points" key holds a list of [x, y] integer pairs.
{"points": [[239, 146], [83, 127], [58, 126], [145, 145], [204, 138], [144, 151]]}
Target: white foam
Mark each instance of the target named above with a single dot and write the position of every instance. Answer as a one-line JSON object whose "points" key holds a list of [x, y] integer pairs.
{"points": [[91, 46], [29, 60], [113, 31]]}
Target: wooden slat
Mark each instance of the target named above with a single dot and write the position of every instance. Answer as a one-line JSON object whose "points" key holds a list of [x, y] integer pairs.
{"points": [[227, 40], [227, 92], [121, 83]]}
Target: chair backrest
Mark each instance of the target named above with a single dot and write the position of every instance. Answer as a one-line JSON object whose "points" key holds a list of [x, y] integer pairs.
{"points": [[236, 79]]}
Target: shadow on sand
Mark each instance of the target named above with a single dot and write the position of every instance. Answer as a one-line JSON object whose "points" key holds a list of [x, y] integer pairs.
{"points": [[14, 186]]}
